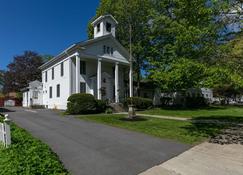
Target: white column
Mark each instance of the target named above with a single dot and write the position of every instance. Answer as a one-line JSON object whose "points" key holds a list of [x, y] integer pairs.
{"points": [[70, 76], [130, 81], [77, 73], [117, 83], [99, 79]]}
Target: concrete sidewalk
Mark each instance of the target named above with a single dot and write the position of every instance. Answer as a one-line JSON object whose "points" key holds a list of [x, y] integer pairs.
{"points": [[203, 159], [159, 116], [193, 120], [165, 117]]}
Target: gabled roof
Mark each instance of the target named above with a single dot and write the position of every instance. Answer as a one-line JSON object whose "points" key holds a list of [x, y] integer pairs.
{"points": [[102, 17], [81, 45]]}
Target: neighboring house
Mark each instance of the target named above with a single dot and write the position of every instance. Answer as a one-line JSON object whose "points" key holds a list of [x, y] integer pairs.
{"points": [[33, 94], [98, 66], [207, 94], [10, 99], [192, 92], [203, 92], [11, 95]]}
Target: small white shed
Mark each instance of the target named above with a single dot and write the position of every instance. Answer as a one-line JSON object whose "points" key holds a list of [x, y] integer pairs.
{"points": [[33, 94]]}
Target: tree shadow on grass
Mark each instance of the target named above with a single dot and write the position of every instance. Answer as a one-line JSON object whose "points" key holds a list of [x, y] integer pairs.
{"points": [[136, 119], [176, 108], [218, 118], [195, 109], [206, 130], [211, 126]]}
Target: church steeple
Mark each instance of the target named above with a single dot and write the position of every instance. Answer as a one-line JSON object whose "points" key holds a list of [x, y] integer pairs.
{"points": [[104, 25]]}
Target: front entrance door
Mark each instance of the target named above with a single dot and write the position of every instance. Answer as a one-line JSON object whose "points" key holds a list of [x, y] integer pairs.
{"points": [[106, 86]]}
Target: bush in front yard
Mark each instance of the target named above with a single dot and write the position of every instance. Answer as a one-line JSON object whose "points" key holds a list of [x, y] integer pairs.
{"points": [[194, 102], [81, 104], [139, 102], [101, 106]]}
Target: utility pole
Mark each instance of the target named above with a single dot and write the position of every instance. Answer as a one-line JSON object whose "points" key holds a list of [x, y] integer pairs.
{"points": [[131, 110], [131, 63]]}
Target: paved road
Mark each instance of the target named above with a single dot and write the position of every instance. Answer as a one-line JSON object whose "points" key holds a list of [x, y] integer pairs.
{"points": [[88, 148]]}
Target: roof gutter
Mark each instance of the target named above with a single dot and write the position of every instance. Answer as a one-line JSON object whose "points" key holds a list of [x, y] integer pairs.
{"points": [[56, 57]]}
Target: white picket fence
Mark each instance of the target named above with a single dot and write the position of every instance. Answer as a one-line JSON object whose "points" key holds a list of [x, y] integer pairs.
{"points": [[5, 135]]}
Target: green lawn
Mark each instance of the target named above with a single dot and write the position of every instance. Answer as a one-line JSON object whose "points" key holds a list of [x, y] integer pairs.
{"points": [[210, 112], [182, 131], [28, 155]]}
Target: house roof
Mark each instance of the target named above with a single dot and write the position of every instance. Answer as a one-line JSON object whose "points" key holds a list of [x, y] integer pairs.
{"points": [[35, 83], [81, 45]]}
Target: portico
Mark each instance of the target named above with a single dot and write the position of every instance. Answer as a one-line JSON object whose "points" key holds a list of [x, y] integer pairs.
{"points": [[101, 76]]}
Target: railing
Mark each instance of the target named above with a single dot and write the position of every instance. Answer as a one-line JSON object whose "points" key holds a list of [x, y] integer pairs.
{"points": [[5, 135]]}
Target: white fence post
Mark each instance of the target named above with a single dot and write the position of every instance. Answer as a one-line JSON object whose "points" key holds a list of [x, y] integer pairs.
{"points": [[6, 135]]}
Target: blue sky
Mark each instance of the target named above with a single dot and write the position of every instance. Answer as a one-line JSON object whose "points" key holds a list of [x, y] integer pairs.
{"points": [[44, 26]]}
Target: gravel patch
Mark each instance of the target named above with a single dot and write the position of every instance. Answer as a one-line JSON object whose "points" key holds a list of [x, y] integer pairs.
{"points": [[231, 135]]}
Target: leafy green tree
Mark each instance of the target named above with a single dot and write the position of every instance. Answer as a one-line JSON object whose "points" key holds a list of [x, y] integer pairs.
{"points": [[137, 14], [181, 75], [224, 82], [231, 55], [184, 29]]}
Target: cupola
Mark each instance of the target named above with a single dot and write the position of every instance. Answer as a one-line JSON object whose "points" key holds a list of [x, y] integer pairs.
{"points": [[104, 25]]}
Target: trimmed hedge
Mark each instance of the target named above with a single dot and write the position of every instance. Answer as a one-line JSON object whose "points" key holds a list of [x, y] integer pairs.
{"points": [[85, 104], [139, 102], [101, 106], [81, 104]]}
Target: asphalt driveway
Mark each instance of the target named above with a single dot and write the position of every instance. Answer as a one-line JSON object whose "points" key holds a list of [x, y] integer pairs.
{"points": [[88, 148]]}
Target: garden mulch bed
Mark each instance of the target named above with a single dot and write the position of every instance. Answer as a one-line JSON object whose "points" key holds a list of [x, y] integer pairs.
{"points": [[230, 135]]}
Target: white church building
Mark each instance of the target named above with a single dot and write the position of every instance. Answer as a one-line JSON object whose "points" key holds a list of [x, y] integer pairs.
{"points": [[99, 66]]}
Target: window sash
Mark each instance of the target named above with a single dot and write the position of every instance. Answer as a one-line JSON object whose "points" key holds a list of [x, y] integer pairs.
{"points": [[35, 95], [111, 50], [58, 90], [104, 49], [83, 67], [62, 69], [46, 76], [98, 27], [50, 92], [108, 27], [52, 73], [108, 50]]}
